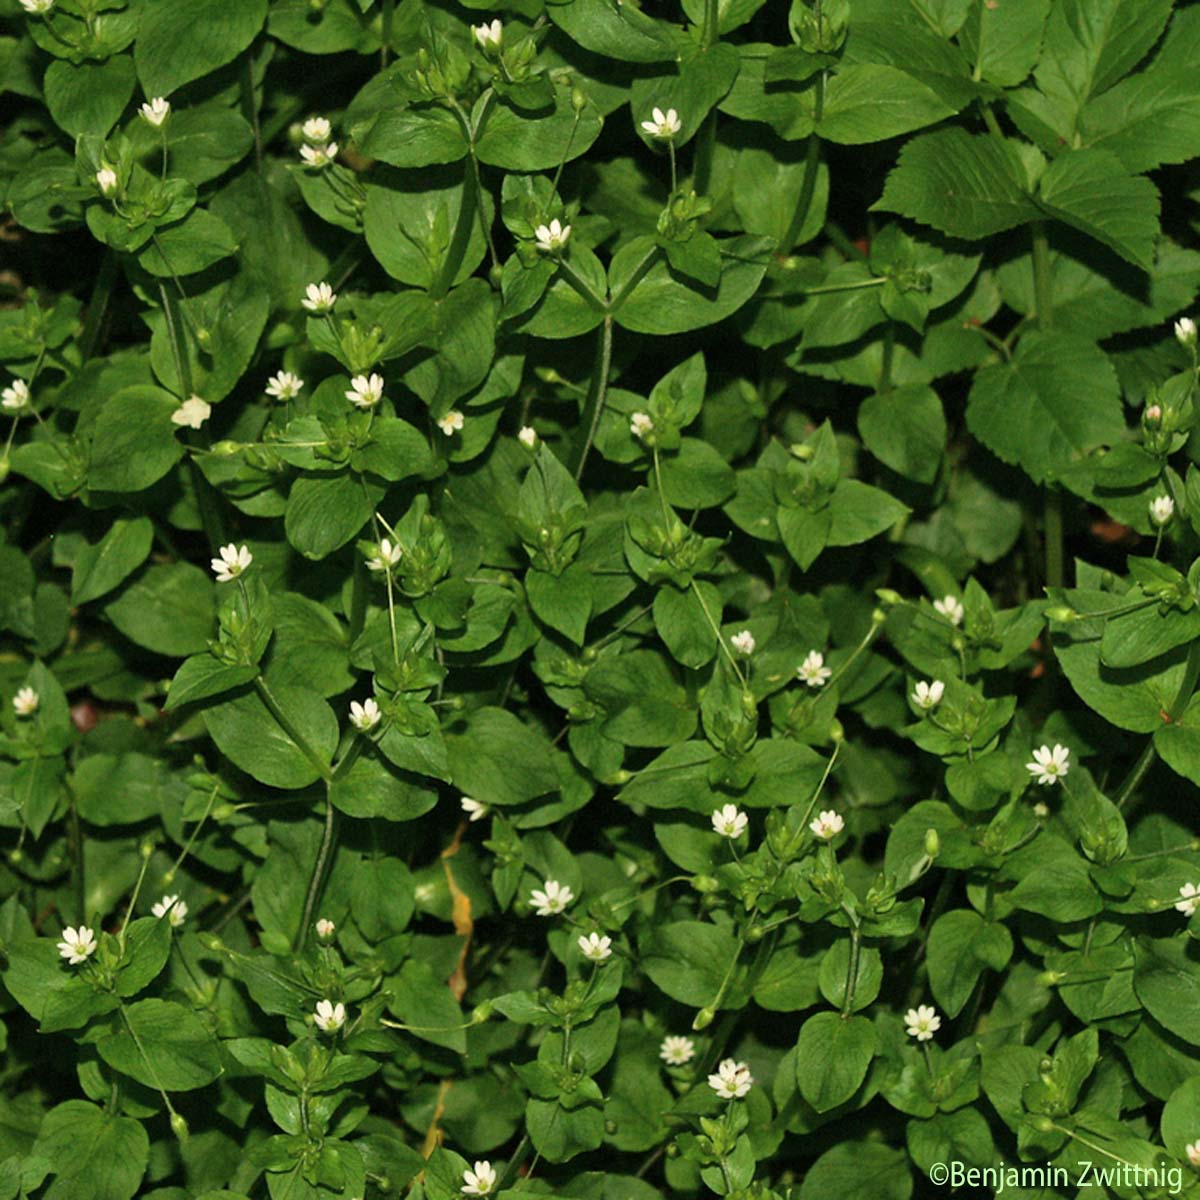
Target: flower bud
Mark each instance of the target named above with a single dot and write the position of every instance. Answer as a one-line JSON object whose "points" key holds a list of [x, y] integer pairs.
{"points": [[210, 941], [933, 843], [1043, 1124], [179, 1127], [481, 1013], [704, 883], [889, 597], [578, 99], [1061, 612], [704, 1018]]}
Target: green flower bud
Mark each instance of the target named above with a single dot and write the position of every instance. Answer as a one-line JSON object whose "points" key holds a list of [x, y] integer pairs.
{"points": [[1061, 612], [933, 843], [179, 1127], [704, 1018]]}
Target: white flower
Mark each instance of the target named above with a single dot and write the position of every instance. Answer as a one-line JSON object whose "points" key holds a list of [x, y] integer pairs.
{"points": [[284, 386], [951, 608], [640, 424], [366, 391], [37, 7], [325, 928], [928, 695], [482, 1180], [319, 298], [595, 947], [15, 398], [364, 716], [1189, 899], [922, 1023], [744, 642], [1162, 509], [553, 237], [729, 821], [488, 36], [106, 180], [813, 670], [527, 437], [827, 824], [156, 112], [77, 944], [319, 156], [386, 556], [732, 1080], [677, 1051], [171, 907], [1192, 1150], [329, 1017], [26, 702], [316, 130], [1153, 414], [233, 561], [451, 423], [1049, 766], [553, 897], [663, 125], [193, 412], [1185, 331], [476, 810], [1041, 810]]}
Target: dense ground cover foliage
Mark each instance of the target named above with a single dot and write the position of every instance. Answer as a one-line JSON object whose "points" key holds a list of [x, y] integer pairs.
{"points": [[599, 600]]}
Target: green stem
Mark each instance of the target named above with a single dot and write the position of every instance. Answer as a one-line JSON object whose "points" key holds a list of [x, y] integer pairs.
{"points": [[137, 1041], [302, 743], [250, 108], [175, 336], [453, 261], [593, 407], [106, 277], [389, 16], [706, 146], [889, 354], [639, 272], [808, 186], [317, 879], [852, 970]]}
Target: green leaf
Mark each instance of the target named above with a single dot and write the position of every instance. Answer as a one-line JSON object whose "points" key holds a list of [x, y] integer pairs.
{"points": [[245, 730], [858, 512], [92, 1152], [615, 31], [1003, 42], [1053, 402], [564, 602], [858, 1170], [89, 97], [100, 567], [499, 759], [415, 136], [202, 676], [961, 944], [688, 960], [696, 476], [906, 430], [1092, 191], [193, 244], [969, 186], [870, 102], [424, 1003], [162, 1044], [1179, 742], [167, 609], [645, 704], [118, 789], [175, 46], [324, 512], [1166, 977], [135, 443], [698, 82], [515, 140], [832, 1057], [679, 617]]}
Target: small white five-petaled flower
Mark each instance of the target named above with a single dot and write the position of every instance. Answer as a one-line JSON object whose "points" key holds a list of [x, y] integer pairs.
{"points": [[827, 825], [330, 1017], [641, 424], [106, 180], [729, 821], [527, 437], [366, 391], [922, 1023], [318, 156], [77, 945], [663, 124], [552, 897], [284, 386], [476, 810], [155, 112], [171, 907], [1185, 331], [15, 397], [1192, 1150], [319, 297], [743, 642], [233, 561], [489, 36], [451, 423], [951, 608], [550, 239], [482, 1180], [813, 670], [1049, 766], [364, 716], [677, 1051], [732, 1080], [595, 947], [1189, 899], [1162, 509], [25, 702], [37, 7], [193, 412], [928, 695], [386, 556], [325, 929], [316, 130]]}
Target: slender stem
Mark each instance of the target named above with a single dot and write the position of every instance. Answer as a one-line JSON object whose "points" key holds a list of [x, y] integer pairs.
{"points": [[250, 108], [706, 146], [830, 288], [581, 285], [808, 186], [852, 970], [593, 407], [889, 354], [137, 1041], [389, 16], [317, 879], [737, 670], [483, 220], [137, 887], [315, 761], [457, 249], [175, 335], [187, 849], [106, 277], [639, 272], [514, 1163]]}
